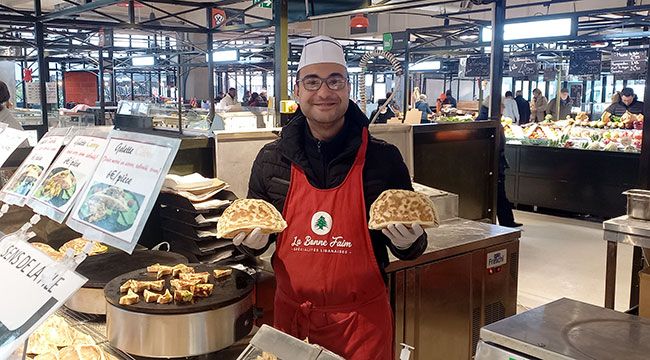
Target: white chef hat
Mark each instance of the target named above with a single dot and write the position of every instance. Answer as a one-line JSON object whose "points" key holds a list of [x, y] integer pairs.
{"points": [[321, 49]]}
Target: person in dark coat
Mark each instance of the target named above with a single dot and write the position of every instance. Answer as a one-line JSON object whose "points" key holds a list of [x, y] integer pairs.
{"points": [[524, 108], [565, 106], [449, 99], [628, 102], [504, 207], [384, 116]]}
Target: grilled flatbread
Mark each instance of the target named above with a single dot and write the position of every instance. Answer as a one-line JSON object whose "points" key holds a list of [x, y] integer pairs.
{"points": [[181, 268], [130, 298], [48, 250], [202, 277], [402, 207], [166, 298], [244, 215], [82, 352], [150, 297], [220, 274], [183, 296], [203, 290], [178, 284], [78, 245]]}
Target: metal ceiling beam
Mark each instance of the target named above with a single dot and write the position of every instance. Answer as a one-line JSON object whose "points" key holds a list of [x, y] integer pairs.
{"points": [[256, 25], [78, 9]]}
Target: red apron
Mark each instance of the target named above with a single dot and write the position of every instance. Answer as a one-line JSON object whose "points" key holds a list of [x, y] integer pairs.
{"points": [[329, 287]]}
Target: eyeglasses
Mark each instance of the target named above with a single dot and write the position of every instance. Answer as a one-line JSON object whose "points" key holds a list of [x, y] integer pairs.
{"points": [[334, 82]]}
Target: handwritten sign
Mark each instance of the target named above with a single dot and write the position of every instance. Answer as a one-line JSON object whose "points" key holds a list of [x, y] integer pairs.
{"points": [[585, 63], [523, 67], [56, 193], [29, 299], [31, 171], [10, 140], [477, 66], [33, 92], [115, 204], [629, 64]]}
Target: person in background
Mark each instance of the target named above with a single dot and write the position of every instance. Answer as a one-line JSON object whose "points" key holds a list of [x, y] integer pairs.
{"points": [[538, 107], [422, 105], [440, 101], [229, 99], [449, 99], [253, 101], [565, 106], [392, 104], [627, 101], [504, 207], [510, 109], [384, 115], [264, 98], [219, 97], [5, 115], [523, 106], [247, 97], [484, 110]]}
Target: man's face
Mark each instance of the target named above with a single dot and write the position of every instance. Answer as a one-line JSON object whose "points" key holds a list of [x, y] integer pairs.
{"points": [[232, 93], [564, 95], [324, 105], [627, 100]]}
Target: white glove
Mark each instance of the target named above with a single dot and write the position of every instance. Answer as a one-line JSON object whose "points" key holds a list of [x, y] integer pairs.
{"points": [[401, 236], [255, 240]]}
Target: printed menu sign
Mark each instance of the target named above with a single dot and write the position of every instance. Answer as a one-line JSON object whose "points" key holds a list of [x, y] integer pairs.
{"points": [[29, 298], [115, 204], [33, 168], [56, 193], [10, 140]]}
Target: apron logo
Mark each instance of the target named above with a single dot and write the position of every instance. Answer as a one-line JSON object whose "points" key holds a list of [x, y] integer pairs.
{"points": [[321, 223]]}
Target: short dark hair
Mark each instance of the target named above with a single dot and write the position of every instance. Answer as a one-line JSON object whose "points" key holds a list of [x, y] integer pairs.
{"points": [[4, 92], [564, 90], [388, 94], [508, 93], [381, 102], [627, 92], [232, 89], [448, 93]]}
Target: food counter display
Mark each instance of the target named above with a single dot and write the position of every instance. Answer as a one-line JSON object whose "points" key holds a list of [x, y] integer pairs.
{"points": [[574, 165]]}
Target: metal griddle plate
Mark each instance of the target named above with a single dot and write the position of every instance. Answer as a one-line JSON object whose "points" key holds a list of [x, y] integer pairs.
{"points": [[226, 291], [571, 329], [102, 268]]}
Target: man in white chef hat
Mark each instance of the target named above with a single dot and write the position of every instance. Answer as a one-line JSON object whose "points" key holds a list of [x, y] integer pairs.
{"points": [[323, 173]]}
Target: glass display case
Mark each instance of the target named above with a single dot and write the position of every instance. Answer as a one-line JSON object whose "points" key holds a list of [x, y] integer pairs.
{"points": [[610, 133], [243, 118]]}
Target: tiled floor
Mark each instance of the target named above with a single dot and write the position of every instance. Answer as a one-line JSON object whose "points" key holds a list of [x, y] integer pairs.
{"points": [[562, 257]]}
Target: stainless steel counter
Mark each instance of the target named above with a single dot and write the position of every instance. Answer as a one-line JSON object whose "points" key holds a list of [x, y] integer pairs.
{"points": [[457, 236], [629, 231], [569, 329]]}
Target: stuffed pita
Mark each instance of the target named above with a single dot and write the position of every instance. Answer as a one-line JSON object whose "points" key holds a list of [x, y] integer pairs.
{"points": [[402, 207], [78, 245], [244, 215]]}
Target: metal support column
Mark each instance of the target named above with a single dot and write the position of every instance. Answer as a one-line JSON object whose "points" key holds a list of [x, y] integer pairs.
{"points": [[63, 83], [496, 58], [406, 86], [281, 55], [496, 82], [102, 98], [210, 64], [179, 96], [131, 86], [644, 169], [43, 70]]}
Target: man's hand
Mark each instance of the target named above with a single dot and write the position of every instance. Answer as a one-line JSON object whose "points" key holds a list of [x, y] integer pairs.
{"points": [[255, 240], [401, 236]]}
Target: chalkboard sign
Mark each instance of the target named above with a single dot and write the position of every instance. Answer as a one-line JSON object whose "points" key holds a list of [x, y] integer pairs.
{"points": [[629, 63], [477, 66], [523, 67], [585, 63], [550, 74]]}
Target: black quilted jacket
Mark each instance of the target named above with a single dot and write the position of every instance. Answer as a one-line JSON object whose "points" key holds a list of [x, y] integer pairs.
{"points": [[326, 165]]}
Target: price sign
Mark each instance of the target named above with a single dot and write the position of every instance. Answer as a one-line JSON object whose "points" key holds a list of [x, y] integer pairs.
{"points": [[33, 92], [629, 64], [523, 67], [116, 203], [585, 63], [477, 66]]}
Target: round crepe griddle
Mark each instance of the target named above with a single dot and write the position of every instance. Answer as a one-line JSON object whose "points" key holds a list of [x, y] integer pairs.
{"points": [[227, 291], [102, 268]]}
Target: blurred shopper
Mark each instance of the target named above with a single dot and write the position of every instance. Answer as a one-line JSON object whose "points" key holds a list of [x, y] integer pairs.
{"points": [[440, 102], [230, 99], [264, 98], [627, 101], [565, 106], [523, 106], [5, 115], [392, 104], [254, 100], [422, 105], [450, 100], [384, 115], [247, 97], [538, 108], [510, 109], [504, 207]]}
